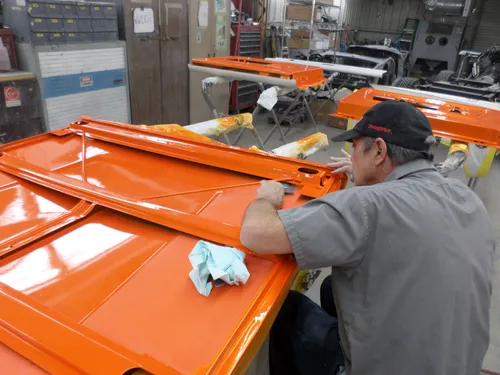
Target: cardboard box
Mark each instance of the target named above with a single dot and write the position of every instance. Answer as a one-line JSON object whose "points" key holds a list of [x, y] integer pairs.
{"points": [[306, 43], [301, 33], [337, 122], [321, 40], [302, 13], [322, 108], [302, 43], [328, 34]]}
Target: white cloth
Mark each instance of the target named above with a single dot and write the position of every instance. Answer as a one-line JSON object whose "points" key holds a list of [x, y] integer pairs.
{"points": [[221, 262]]}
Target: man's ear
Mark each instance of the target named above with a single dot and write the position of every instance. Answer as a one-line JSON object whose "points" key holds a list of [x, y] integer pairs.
{"points": [[381, 149]]}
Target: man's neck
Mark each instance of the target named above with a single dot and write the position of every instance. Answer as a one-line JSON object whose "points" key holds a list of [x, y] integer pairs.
{"points": [[384, 171]]}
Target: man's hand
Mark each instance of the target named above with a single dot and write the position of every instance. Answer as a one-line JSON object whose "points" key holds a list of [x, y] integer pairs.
{"points": [[342, 165], [271, 191]]}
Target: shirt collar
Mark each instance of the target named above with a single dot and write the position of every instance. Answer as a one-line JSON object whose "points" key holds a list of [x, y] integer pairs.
{"points": [[409, 168]]}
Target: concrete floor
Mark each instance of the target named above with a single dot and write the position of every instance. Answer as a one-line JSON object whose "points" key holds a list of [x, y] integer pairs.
{"points": [[485, 189]]}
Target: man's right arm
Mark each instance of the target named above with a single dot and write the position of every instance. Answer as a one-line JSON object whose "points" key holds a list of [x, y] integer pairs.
{"points": [[330, 231], [262, 230]]}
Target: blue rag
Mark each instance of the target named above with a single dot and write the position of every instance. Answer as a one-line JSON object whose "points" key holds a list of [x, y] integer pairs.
{"points": [[221, 262]]}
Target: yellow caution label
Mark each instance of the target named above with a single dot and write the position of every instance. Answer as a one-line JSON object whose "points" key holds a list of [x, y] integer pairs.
{"points": [[38, 20], [97, 8], [67, 7], [56, 34], [34, 5], [83, 8], [71, 34], [69, 21], [52, 6], [39, 35], [55, 20], [109, 8]]}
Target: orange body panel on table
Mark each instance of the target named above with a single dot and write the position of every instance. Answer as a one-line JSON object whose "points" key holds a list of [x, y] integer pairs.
{"points": [[304, 75], [98, 220], [457, 121]]}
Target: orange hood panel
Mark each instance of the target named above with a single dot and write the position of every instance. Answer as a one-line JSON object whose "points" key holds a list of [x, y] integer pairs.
{"points": [[94, 253], [460, 122], [306, 76]]}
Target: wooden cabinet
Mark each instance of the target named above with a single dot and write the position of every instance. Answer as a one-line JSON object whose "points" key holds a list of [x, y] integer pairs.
{"points": [[157, 62]]}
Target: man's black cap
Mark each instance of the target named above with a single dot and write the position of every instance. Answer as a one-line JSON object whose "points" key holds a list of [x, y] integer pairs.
{"points": [[397, 123]]}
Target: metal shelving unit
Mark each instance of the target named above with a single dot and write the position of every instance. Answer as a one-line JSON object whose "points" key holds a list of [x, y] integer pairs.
{"points": [[290, 25]]}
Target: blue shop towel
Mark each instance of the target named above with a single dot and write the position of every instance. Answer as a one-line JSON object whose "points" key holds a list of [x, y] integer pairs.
{"points": [[221, 262]]}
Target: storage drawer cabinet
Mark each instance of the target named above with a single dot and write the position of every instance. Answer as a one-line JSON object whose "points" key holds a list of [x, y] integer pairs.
{"points": [[36, 8], [85, 25], [72, 37], [110, 36], [70, 25], [99, 37], [110, 11], [82, 10], [98, 25], [53, 9], [39, 38], [56, 38], [97, 11], [68, 9], [39, 21], [111, 24], [38, 24], [55, 24]]}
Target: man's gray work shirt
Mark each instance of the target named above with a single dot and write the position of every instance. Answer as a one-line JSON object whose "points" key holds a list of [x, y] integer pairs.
{"points": [[411, 267]]}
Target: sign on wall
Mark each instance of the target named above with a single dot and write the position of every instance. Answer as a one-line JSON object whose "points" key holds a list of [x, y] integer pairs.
{"points": [[12, 97], [86, 81], [144, 21], [220, 35]]}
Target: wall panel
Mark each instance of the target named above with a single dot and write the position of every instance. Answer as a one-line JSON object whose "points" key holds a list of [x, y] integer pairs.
{"points": [[488, 32], [379, 19]]}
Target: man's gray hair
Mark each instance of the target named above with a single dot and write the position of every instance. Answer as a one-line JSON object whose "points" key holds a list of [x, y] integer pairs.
{"points": [[400, 155]]}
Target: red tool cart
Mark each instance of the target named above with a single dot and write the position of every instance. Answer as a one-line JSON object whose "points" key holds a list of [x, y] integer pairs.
{"points": [[8, 42]]}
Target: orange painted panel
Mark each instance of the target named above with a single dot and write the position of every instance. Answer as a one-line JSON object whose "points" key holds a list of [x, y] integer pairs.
{"points": [[305, 75], [461, 122], [101, 219]]}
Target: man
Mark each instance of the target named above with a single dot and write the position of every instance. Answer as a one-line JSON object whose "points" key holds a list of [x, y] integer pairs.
{"points": [[411, 255]]}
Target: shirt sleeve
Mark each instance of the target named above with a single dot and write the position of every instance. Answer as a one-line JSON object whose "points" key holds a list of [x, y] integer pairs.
{"points": [[329, 231]]}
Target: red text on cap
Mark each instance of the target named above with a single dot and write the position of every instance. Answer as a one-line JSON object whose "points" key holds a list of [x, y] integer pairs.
{"points": [[379, 128]]}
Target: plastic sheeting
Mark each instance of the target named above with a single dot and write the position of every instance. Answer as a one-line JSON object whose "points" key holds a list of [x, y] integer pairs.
{"points": [[347, 69], [269, 97], [244, 76], [302, 148], [216, 127], [205, 129], [456, 157]]}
